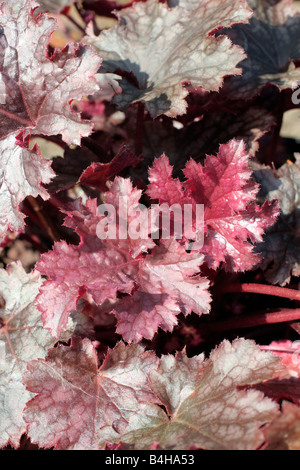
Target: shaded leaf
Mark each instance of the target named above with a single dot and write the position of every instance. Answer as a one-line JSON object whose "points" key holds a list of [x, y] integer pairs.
{"points": [[82, 166], [280, 248], [55, 5], [284, 432], [201, 136], [143, 48], [271, 41]]}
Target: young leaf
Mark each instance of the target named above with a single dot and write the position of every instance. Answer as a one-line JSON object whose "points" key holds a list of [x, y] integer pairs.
{"points": [[232, 219], [81, 166], [144, 48], [169, 283], [165, 281], [97, 174]]}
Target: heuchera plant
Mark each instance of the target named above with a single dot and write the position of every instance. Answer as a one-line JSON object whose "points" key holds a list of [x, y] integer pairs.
{"points": [[117, 333]]}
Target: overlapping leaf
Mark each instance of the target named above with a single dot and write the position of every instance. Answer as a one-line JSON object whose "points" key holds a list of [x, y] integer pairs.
{"points": [[36, 89], [35, 95], [202, 405], [271, 41], [162, 283], [145, 49], [201, 136], [22, 339], [232, 219], [80, 407], [286, 384], [22, 173], [81, 166], [168, 285], [281, 245], [284, 432], [97, 174]]}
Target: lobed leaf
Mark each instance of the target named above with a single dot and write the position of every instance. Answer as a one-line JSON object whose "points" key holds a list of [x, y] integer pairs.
{"points": [[203, 407], [78, 406], [22, 339], [271, 41], [144, 48], [280, 247], [232, 219], [22, 173]]}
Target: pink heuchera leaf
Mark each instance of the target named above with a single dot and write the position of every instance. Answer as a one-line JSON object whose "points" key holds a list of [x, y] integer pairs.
{"points": [[80, 407], [232, 219], [202, 406], [22, 339], [143, 48], [288, 351], [35, 96], [36, 90], [99, 267], [168, 285], [164, 281]]}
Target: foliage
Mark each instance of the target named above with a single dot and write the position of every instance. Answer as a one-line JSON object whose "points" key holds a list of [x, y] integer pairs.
{"points": [[125, 334]]}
